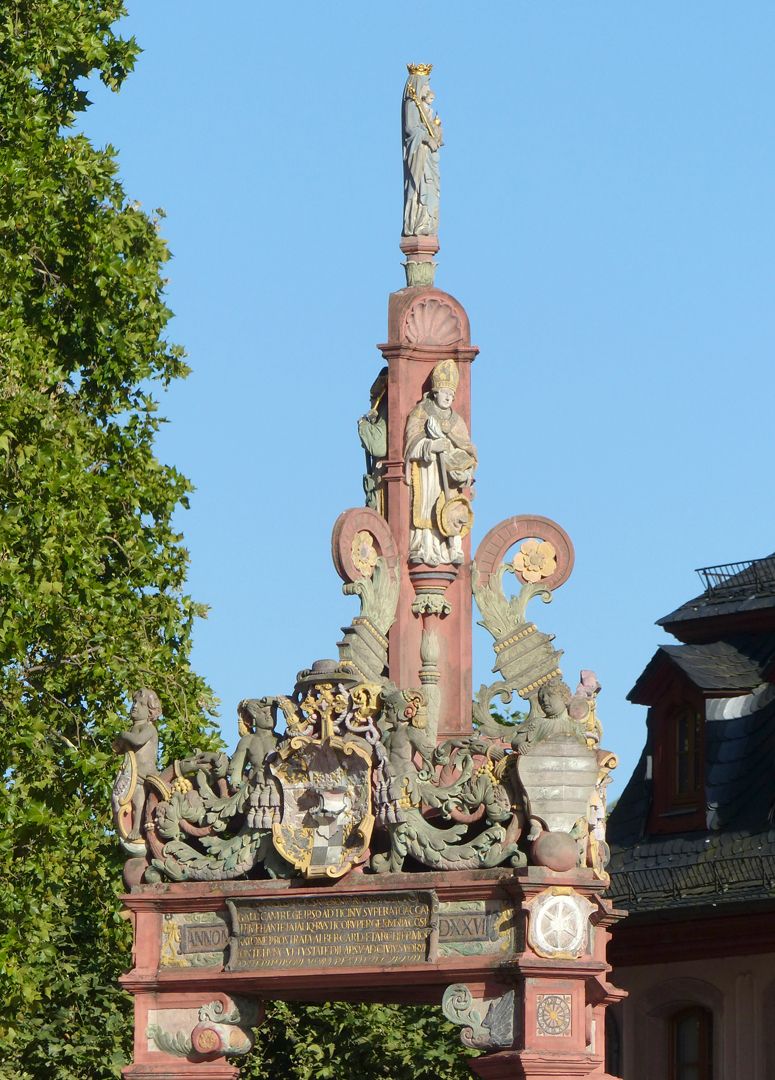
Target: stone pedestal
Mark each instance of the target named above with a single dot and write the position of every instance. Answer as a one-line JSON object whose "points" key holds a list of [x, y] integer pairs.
{"points": [[419, 267], [510, 1065], [204, 1070]]}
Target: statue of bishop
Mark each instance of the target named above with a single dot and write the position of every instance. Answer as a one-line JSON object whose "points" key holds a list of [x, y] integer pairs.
{"points": [[440, 461]]}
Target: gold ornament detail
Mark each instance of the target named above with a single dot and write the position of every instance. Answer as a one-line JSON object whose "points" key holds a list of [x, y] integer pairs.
{"points": [[364, 553], [208, 1041], [454, 516], [170, 944], [367, 700], [326, 704], [419, 69], [445, 375], [535, 560]]}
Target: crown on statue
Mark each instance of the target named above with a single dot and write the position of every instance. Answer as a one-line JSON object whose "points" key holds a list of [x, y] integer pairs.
{"points": [[419, 69], [445, 375]]}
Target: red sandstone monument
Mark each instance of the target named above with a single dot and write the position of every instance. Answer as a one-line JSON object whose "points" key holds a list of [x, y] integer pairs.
{"points": [[379, 833]]}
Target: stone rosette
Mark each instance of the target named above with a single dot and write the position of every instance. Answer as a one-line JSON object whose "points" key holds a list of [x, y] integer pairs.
{"points": [[535, 560]]}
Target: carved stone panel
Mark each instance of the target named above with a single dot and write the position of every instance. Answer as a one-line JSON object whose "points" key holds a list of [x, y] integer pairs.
{"points": [[389, 930], [478, 928], [558, 778], [554, 1015], [193, 939], [559, 923]]}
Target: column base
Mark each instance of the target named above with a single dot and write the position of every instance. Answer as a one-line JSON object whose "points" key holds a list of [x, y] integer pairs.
{"points": [[419, 266], [186, 1070], [524, 1065]]}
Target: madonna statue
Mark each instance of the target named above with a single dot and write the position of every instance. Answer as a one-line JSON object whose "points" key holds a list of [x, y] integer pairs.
{"points": [[422, 136]]}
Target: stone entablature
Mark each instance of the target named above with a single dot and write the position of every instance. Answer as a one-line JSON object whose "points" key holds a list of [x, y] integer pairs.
{"points": [[482, 943]]}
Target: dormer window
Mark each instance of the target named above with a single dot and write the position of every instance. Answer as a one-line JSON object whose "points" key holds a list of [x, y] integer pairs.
{"points": [[678, 728], [687, 770]]}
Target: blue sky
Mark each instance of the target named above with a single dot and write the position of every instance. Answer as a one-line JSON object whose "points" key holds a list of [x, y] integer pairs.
{"points": [[606, 220]]}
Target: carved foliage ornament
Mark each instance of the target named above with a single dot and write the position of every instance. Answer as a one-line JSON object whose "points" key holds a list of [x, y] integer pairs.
{"points": [[222, 1026], [486, 1024]]}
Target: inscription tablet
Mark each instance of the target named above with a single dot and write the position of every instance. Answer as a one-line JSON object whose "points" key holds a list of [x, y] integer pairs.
{"points": [[389, 930]]}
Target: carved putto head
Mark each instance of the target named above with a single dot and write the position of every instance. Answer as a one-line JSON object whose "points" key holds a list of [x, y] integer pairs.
{"points": [[145, 701], [254, 714], [553, 698], [404, 706]]}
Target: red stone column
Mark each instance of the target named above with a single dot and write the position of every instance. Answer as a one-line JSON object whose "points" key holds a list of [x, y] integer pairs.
{"points": [[425, 326], [188, 1046], [564, 992]]}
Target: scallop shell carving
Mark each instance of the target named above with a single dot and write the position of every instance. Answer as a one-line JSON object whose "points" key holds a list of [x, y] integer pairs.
{"points": [[432, 322]]}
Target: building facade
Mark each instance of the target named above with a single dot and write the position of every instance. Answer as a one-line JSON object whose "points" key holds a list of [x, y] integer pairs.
{"points": [[693, 844]]}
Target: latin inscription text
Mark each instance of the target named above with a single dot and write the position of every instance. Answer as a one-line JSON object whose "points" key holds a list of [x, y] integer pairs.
{"points": [[331, 932]]}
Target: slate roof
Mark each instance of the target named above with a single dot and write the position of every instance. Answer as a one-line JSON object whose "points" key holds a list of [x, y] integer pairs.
{"points": [[735, 588], [739, 663], [731, 861]]}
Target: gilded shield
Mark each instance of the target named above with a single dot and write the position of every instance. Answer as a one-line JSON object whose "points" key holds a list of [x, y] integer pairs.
{"points": [[327, 818]]}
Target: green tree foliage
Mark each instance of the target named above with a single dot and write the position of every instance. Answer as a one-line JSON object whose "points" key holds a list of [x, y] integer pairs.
{"points": [[92, 576], [368, 1042], [91, 568]]}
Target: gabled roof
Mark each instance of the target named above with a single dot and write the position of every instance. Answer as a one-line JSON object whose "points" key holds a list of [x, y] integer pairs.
{"points": [[738, 663]]}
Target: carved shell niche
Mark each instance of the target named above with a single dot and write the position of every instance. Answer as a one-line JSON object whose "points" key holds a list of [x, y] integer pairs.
{"points": [[432, 321]]}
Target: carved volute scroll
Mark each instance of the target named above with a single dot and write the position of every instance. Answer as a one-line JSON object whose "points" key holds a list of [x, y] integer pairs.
{"points": [[490, 553]]}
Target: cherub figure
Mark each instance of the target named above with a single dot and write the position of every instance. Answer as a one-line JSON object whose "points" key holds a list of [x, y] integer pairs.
{"points": [[583, 707], [142, 742], [548, 717]]}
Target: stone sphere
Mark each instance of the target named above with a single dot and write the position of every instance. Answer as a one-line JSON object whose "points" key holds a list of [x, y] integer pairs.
{"points": [[556, 851]]}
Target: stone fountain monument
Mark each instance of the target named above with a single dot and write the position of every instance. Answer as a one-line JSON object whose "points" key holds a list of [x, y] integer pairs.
{"points": [[380, 833]]}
